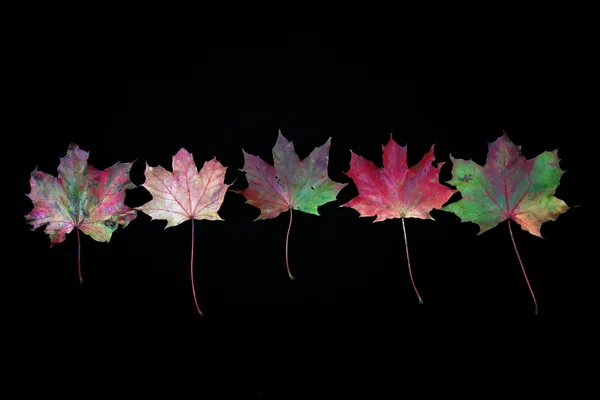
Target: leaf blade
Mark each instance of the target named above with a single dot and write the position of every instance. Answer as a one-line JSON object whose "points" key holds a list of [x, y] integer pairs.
{"points": [[185, 193], [396, 191], [508, 187], [80, 198], [301, 185]]}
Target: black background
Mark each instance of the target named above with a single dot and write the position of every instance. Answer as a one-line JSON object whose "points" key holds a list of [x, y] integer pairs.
{"points": [[139, 82]]}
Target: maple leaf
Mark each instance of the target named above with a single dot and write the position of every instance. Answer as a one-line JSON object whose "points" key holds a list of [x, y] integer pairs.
{"points": [[291, 184], [81, 198], [396, 191], [185, 194], [508, 187]]}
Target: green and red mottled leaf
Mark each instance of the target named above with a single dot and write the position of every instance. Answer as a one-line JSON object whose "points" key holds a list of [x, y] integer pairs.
{"points": [[289, 184], [82, 198], [185, 194], [396, 191], [508, 187]]}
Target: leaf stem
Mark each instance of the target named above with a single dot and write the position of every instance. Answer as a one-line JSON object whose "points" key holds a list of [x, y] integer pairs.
{"points": [[287, 239], [79, 256], [192, 272], [522, 267], [408, 260]]}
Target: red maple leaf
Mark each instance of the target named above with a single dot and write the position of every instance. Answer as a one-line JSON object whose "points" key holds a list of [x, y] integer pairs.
{"points": [[396, 191]]}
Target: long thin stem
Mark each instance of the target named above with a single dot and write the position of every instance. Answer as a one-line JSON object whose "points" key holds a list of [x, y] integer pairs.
{"points": [[408, 260], [522, 267], [192, 272], [79, 256], [287, 239]]}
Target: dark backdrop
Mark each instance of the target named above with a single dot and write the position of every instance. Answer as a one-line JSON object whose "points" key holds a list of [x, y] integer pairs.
{"points": [[138, 83]]}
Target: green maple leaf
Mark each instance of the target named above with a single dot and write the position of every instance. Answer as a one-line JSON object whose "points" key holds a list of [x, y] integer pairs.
{"points": [[508, 187]]}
